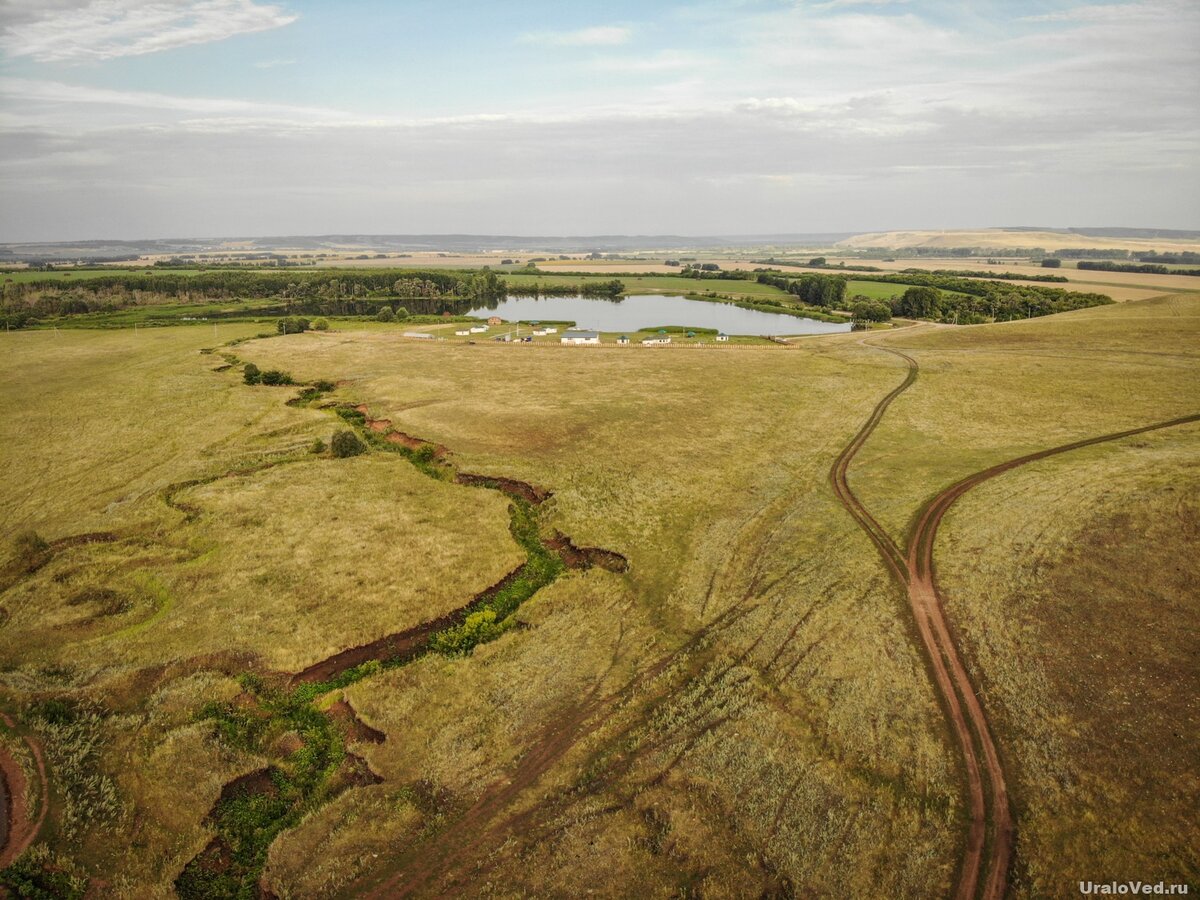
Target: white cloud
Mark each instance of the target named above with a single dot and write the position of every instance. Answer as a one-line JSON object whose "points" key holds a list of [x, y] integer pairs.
{"points": [[1109, 12], [834, 4], [106, 29], [663, 61], [597, 36], [759, 119], [35, 95]]}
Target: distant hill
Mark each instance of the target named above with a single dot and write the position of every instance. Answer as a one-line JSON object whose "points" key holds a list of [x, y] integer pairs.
{"points": [[341, 244], [1015, 238], [407, 243]]}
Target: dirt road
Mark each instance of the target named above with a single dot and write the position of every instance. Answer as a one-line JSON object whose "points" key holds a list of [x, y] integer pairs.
{"points": [[990, 835], [17, 828]]}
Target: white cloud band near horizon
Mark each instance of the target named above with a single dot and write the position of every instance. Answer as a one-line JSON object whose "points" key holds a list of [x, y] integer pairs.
{"points": [[731, 128]]}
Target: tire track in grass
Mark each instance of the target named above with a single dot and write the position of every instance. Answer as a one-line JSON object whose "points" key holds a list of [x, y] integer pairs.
{"points": [[926, 596], [991, 831], [21, 828]]}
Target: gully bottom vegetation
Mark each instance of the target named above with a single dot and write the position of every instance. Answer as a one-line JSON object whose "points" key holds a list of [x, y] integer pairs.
{"points": [[824, 619]]}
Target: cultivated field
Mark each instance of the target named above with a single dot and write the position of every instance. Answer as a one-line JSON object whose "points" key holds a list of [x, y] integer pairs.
{"points": [[726, 695], [1001, 238]]}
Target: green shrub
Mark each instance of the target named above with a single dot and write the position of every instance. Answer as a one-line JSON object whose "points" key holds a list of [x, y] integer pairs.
{"points": [[346, 443], [317, 446], [251, 374], [292, 325], [385, 315], [324, 386], [479, 628], [353, 416], [401, 312], [275, 376], [28, 544], [870, 311], [320, 325], [38, 874], [919, 303]]}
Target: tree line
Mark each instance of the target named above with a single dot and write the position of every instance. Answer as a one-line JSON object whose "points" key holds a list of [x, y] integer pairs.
{"points": [[943, 297], [813, 290], [1139, 268], [347, 293]]}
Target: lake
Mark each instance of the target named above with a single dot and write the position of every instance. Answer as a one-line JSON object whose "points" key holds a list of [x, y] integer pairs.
{"points": [[652, 311]]}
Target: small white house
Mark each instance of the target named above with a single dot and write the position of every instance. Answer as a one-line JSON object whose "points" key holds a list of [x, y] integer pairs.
{"points": [[551, 330], [462, 332], [539, 332], [419, 335], [623, 339], [478, 329], [722, 336], [580, 337], [657, 339]]}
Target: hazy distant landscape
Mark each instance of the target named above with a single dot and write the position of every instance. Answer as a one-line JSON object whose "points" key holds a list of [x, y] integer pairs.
{"points": [[598, 450]]}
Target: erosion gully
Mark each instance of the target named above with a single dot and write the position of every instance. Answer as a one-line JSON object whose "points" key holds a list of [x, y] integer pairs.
{"points": [[312, 765], [987, 854], [287, 716]]}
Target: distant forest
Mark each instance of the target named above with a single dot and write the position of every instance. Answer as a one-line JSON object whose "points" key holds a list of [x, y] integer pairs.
{"points": [[344, 293]]}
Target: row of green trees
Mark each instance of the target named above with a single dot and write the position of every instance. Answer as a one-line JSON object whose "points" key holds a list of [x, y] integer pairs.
{"points": [[1002, 303], [814, 290], [260, 283], [1139, 268]]}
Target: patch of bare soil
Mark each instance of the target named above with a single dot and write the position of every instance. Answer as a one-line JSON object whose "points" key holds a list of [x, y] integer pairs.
{"points": [[18, 829], [401, 645], [586, 557], [356, 730], [510, 486]]}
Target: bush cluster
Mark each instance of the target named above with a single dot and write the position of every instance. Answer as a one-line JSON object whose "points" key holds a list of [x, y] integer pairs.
{"points": [[865, 310], [293, 325], [346, 443], [251, 374]]}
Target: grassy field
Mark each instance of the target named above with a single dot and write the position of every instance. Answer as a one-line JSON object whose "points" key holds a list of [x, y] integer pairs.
{"points": [[18, 276], [745, 710], [648, 284], [1093, 673], [990, 394]]}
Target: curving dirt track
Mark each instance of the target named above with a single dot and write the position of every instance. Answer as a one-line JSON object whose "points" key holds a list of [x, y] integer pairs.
{"points": [[987, 787], [19, 830]]}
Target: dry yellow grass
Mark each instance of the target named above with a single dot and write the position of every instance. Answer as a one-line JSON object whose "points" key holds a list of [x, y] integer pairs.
{"points": [[743, 712], [1080, 616], [718, 497], [988, 394]]}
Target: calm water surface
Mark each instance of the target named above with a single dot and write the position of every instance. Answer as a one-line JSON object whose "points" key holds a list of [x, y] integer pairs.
{"points": [[652, 310]]}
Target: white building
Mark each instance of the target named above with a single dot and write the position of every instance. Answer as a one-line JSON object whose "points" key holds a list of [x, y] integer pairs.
{"points": [[463, 331], [722, 336], [580, 337], [551, 330], [478, 329], [657, 339], [539, 332], [419, 335]]}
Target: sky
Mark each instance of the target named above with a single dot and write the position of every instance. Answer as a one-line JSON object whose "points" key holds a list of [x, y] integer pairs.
{"points": [[207, 118]]}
